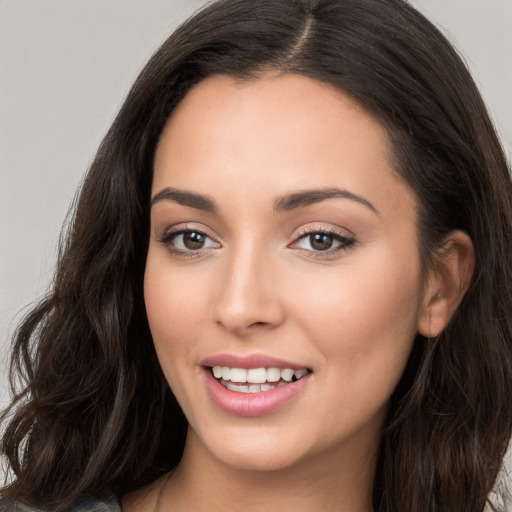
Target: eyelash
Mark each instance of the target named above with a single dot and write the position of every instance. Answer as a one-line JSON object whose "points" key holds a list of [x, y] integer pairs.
{"points": [[344, 242], [168, 238]]}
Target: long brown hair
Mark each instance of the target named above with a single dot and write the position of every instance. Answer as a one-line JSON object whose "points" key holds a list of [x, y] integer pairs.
{"points": [[95, 410]]}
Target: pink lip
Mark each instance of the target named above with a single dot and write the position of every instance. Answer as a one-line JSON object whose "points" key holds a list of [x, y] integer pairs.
{"points": [[252, 404], [252, 361]]}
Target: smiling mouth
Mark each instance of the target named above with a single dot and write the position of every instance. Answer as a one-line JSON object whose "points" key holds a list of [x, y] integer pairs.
{"points": [[256, 380]]}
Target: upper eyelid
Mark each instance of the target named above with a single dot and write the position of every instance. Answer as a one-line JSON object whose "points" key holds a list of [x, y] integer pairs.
{"points": [[340, 237], [183, 228], [307, 230], [178, 232], [169, 236], [298, 233], [345, 243]]}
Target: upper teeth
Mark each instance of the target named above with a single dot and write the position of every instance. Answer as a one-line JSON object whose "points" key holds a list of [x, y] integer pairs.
{"points": [[257, 375]]}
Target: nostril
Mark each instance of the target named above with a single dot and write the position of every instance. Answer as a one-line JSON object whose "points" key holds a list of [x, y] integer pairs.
{"points": [[258, 325]]}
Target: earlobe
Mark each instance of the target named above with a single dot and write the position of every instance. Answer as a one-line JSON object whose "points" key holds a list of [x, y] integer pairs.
{"points": [[447, 283]]}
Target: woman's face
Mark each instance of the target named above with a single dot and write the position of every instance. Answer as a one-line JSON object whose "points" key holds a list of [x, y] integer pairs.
{"points": [[282, 243]]}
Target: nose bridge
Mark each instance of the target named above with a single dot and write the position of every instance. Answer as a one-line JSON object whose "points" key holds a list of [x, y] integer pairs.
{"points": [[248, 295]]}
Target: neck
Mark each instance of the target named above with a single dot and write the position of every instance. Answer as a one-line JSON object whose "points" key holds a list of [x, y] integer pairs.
{"points": [[336, 481]]}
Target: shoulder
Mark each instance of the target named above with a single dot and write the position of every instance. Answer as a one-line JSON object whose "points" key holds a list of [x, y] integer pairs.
{"points": [[106, 504], [109, 503], [144, 499]]}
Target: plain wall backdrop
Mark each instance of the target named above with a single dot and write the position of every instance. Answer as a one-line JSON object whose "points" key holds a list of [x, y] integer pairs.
{"points": [[65, 68]]}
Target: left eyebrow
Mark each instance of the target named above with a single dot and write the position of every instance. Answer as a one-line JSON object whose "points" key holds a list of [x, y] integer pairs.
{"points": [[185, 198], [307, 197]]}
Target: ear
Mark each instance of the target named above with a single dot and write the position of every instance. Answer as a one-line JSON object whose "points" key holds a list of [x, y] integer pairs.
{"points": [[447, 283]]}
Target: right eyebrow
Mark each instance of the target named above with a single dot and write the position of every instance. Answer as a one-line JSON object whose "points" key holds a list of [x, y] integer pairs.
{"points": [[305, 198], [184, 198]]}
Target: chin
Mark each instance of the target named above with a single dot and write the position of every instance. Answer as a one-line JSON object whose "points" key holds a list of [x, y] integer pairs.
{"points": [[258, 459], [255, 450]]}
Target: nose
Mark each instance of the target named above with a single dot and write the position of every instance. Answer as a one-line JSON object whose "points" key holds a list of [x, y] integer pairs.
{"points": [[248, 298]]}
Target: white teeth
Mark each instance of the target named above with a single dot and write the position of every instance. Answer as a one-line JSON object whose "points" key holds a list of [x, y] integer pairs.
{"points": [[245, 388], [257, 375], [300, 373], [236, 387], [240, 375], [287, 374], [273, 374]]}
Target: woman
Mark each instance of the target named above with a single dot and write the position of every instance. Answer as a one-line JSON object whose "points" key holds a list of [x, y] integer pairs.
{"points": [[287, 281]]}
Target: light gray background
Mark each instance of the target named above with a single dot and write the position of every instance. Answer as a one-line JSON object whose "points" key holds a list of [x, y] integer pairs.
{"points": [[65, 67]]}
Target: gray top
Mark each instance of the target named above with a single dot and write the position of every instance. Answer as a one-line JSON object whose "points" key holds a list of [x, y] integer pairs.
{"points": [[108, 503]]}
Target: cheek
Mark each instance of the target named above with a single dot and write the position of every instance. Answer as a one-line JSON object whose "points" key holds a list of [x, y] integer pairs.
{"points": [[174, 308], [364, 328], [364, 321], [173, 296]]}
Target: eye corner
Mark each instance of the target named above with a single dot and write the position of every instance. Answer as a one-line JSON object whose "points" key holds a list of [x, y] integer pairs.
{"points": [[198, 245], [322, 246]]}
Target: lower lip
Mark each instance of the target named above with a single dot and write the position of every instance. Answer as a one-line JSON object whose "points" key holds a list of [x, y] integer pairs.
{"points": [[252, 404]]}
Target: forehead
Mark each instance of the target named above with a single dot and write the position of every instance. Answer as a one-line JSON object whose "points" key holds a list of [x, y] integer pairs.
{"points": [[286, 106], [271, 135]]}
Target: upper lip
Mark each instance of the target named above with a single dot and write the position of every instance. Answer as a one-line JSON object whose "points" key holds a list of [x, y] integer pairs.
{"points": [[250, 361]]}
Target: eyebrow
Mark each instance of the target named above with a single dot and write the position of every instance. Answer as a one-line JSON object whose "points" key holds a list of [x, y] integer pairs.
{"points": [[185, 198], [285, 203], [307, 197]]}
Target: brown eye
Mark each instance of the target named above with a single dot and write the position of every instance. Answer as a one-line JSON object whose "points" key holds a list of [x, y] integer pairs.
{"points": [[188, 241], [321, 241], [193, 240]]}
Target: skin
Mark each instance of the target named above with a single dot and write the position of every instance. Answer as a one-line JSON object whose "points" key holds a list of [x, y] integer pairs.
{"points": [[258, 286]]}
